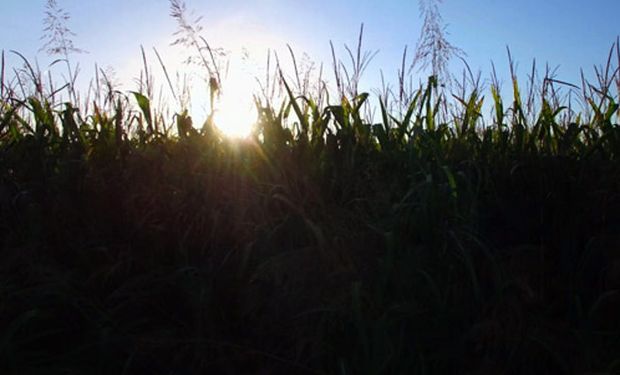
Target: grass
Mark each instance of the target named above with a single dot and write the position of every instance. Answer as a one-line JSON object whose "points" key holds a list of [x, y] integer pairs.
{"points": [[436, 240]]}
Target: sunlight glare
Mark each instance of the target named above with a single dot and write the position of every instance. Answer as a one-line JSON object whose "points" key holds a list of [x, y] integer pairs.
{"points": [[247, 45], [235, 113]]}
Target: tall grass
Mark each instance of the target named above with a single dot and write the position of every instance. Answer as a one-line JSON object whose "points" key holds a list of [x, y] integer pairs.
{"points": [[436, 239]]}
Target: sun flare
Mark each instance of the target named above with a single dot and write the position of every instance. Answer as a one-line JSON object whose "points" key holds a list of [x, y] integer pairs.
{"points": [[235, 114], [234, 110]]}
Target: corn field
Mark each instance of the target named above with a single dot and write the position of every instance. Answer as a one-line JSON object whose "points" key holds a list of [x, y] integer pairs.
{"points": [[409, 232]]}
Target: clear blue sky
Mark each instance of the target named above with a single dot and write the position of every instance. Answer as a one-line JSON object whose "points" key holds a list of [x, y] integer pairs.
{"points": [[568, 33]]}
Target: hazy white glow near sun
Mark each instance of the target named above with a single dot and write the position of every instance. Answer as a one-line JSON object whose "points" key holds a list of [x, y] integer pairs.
{"points": [[235, 113], [247, 45]]}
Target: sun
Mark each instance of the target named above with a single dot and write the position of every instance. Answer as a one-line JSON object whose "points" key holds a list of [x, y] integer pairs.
{"points": [[235, 113], [234, 110]]}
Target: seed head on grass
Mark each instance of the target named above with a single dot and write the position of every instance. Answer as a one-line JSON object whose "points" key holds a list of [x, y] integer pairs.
{"points": [[57, 38], [57, 35], [189, 35], [433, 49]]}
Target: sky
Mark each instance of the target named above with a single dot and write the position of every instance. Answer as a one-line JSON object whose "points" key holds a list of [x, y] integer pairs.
{"points": [[567, 34]]}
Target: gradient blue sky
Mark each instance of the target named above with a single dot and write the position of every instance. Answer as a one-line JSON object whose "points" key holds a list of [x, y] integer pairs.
{"points": [[568, 33]]}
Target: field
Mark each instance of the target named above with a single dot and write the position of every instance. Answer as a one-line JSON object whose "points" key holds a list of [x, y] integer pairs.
{"points": [[437, 238]]}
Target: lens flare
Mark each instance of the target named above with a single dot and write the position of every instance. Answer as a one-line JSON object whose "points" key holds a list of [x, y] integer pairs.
{"points": [[235, 115]]}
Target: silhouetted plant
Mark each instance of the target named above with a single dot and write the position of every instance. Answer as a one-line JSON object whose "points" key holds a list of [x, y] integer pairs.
{"points": [[433, 49], [57, 37], [189, 35]]}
